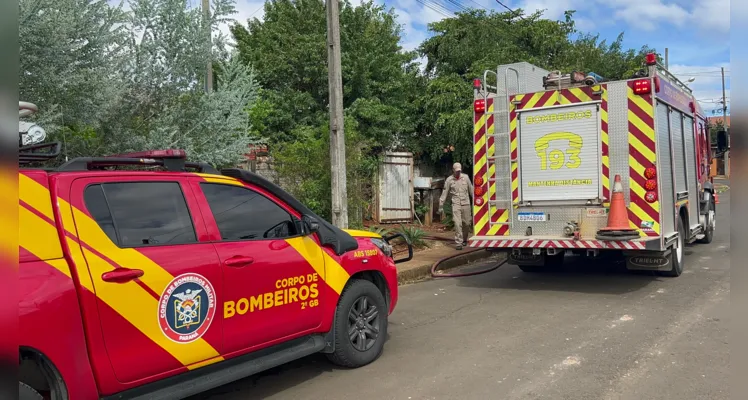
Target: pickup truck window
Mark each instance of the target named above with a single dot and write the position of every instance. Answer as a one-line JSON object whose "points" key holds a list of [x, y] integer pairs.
{"points": [[141, 213], [243, 214]]}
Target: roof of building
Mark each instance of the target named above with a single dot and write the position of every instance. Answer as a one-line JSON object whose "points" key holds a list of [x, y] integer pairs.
{"points": [[716, 120]]}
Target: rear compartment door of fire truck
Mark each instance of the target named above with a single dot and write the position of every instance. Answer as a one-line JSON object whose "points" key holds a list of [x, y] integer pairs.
{"points": [[559, 150]]}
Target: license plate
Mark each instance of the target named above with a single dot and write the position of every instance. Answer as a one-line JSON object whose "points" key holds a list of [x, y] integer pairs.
{"points": [[531, 216]]}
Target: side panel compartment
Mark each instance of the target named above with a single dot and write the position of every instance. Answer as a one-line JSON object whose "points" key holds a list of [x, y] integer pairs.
{"points": [[676, 127], [693, 190], [665, 172]]}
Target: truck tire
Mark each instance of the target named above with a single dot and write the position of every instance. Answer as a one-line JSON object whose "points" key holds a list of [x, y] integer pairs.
{"points": [[26, 392], [710, 221], [360, 325], [677, 255]]}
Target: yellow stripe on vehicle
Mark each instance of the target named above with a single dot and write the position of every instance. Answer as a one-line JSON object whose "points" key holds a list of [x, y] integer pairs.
{"points": [[360, 233], [133, 303], [325, 266], [39, 237], [533, 102], [220, 179], [36, 195], [581, 95], [155, 277], [605, 139], [551, 101], [479, 141], [490, 130]]}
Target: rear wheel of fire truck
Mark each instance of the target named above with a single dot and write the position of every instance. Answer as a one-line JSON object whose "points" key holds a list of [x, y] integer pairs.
{"points": [[360, 325], [710, 221], [677, 253], [26, 392]]}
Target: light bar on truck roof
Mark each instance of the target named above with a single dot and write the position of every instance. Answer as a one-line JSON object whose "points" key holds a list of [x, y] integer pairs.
{"points": [[154, 154], [477, 83]]}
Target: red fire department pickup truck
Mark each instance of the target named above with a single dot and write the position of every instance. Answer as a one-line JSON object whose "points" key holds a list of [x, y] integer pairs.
{"points": [[168, 278]]}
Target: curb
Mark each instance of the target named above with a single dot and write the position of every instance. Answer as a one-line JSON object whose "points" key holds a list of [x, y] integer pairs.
{"points": [[423, 272]]}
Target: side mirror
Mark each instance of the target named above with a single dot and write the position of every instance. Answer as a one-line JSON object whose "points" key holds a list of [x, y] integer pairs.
{"points": [[722, 141], [310, 224]]}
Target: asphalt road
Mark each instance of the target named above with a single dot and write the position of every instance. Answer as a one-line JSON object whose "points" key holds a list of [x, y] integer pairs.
{"points": [[588, 332]]}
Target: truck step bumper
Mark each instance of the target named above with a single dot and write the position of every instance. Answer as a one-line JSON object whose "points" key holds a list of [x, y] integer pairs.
{"points": [[509, 242]]}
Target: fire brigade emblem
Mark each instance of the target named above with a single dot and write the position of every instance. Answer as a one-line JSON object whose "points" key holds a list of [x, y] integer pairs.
{"points": [[186, 308]]}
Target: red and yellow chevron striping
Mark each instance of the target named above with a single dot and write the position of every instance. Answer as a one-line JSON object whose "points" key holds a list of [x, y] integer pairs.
{"points": [[642, 154], [480, 171]]}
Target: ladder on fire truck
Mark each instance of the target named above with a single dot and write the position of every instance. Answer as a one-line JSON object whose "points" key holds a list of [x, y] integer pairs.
{"points": [[501, 158]]}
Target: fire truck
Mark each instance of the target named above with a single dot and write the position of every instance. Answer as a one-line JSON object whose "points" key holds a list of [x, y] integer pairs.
{"points": [[557, 155]]}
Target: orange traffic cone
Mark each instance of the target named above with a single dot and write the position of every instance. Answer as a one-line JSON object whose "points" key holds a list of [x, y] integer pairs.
{"points": [[618, 218], [716, 198]]}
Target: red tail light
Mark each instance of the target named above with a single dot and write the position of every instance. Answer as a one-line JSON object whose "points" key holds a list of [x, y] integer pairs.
{"points": [[478, 201], [478, 181], [650, 184], [479, 106], [650, 173], [643, 86], [651, 59], [650, 197], [479, 191]]}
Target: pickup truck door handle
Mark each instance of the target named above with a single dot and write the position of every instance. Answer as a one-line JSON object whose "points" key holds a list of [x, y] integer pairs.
{"points": [[122, 275], [239, 261]]}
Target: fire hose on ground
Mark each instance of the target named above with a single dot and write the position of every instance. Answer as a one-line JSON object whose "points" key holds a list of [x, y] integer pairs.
{"points": [[435, 266]]}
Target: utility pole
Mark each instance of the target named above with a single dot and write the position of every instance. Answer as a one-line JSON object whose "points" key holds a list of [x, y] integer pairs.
{"points": [[724, 99], [667, 65], [337, 133], [209, 67], [726, 156]]}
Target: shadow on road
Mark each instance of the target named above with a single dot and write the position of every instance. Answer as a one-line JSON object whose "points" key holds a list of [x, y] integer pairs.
{"points": [[275, 380], [578, 274]]}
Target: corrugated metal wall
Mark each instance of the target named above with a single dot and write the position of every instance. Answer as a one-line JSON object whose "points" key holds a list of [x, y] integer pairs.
{"points": [[395, 200]]}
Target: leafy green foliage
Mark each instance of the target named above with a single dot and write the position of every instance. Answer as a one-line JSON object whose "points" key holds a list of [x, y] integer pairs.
{"points": [[463, 47], [448, 221], [112, 82], [304, 167], [415, 235], [289, 50], [380, 230], [421, 210], [68, 50]]}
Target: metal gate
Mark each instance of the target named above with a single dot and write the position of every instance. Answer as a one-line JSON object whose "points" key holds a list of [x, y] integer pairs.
{"points": [[395, 195]]}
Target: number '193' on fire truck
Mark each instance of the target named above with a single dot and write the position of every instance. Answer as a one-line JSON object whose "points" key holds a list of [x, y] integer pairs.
{"points": [[552, 151]]}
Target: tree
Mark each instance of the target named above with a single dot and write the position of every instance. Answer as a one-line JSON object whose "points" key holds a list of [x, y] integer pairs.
{"points": [[288, 49], [380, 80], [462, 47], [166, 105], [135, 81], [70, 51]]}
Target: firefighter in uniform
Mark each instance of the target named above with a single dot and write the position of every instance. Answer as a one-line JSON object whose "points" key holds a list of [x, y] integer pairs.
{"points": [[460, 191]]}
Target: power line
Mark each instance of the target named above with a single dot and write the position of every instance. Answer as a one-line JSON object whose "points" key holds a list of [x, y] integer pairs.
{"points": [[435, 7], [479, 5], [457, 4], [703, 72], [509, 8]]}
